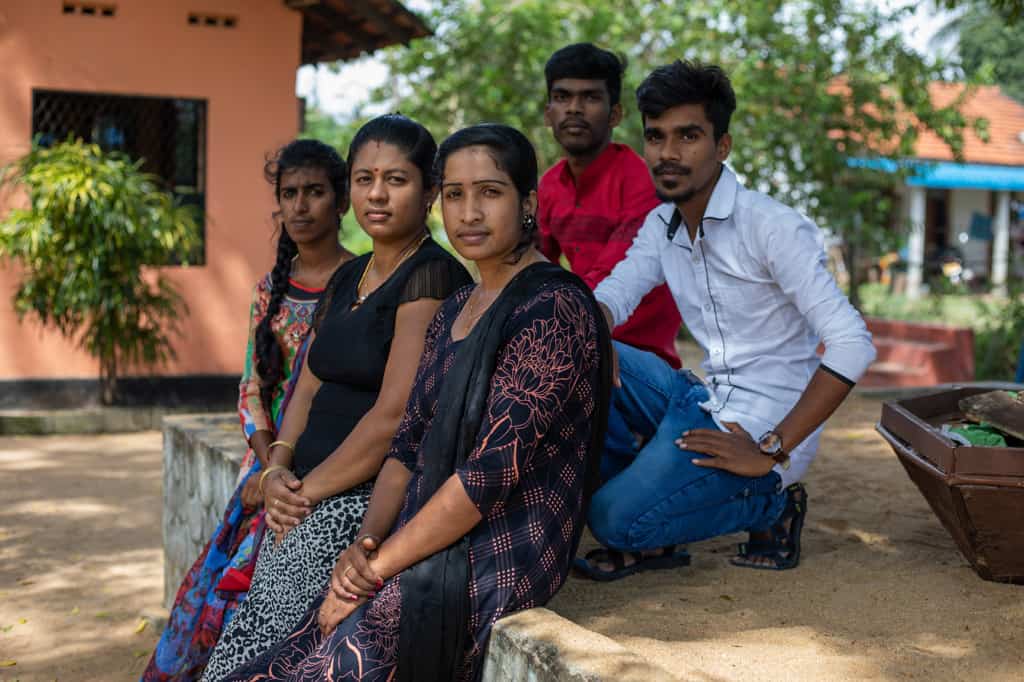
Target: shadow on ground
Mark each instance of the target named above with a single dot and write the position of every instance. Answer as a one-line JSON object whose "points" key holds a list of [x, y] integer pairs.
{"points": [[881, 593], [80, 556]]}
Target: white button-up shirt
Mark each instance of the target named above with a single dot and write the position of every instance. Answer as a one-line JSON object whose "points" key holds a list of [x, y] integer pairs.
{"points": [[756, 296]]}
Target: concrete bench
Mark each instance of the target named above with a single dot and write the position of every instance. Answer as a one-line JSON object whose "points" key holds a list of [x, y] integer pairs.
{"points": [[202, 454]]}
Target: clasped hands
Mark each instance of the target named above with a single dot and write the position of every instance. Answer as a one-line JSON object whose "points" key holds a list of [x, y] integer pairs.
{"points": [[282, 498], [353, 582], [733, 450]]}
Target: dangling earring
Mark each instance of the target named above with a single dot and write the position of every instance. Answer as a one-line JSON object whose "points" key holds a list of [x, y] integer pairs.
{"points": [[529, 222]]}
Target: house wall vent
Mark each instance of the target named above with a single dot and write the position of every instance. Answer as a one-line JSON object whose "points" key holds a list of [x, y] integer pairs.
{"points": [[89, 9], [212, 20]]}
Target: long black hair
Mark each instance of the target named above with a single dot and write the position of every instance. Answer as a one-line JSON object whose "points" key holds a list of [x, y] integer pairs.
{"points": [[418, 146], [294, 155], [512, 153]]}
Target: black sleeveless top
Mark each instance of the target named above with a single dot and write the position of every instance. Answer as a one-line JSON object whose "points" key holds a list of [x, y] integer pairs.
{"points": [[351, 347]]}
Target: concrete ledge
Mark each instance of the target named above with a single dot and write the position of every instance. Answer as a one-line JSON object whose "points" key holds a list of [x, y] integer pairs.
{"points": [[86, 420], [201, 458], [202, 454], [538, 645]]}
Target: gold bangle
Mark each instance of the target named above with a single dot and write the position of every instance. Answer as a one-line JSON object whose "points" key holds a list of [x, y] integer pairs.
{"points": [[266, 472], [281, 442]]}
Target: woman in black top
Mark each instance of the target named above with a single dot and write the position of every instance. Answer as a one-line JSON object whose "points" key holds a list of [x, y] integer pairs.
{"points": [[368, 338], [478, 511]]}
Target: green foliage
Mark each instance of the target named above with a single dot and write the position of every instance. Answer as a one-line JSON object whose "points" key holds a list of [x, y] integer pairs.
{"points": [[320, 125], [999, 332], [93, 222], [877, 301], [991, 49], [998, 323], [1009, 11], [818, 82], [486, 61]]}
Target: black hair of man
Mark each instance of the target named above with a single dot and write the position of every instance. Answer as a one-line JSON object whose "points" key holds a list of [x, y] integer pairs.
{"points": [[588, 62], [689, 82]]}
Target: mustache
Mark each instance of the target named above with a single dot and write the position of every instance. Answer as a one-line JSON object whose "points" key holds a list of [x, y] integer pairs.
{"points": [[575, 122], [673, 168]]}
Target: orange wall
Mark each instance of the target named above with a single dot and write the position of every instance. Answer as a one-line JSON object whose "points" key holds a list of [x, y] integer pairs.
{"points": [[247, 77]]}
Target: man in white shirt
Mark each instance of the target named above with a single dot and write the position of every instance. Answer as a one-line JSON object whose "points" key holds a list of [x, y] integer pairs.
{"points": [[748, 276]]}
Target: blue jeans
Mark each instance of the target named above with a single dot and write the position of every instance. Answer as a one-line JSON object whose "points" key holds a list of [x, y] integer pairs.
{"points": [[656, 496]]}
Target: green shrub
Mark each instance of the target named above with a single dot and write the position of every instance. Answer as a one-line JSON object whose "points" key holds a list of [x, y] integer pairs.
{"points": [[94, 220], [998, 323], [998, 334]]}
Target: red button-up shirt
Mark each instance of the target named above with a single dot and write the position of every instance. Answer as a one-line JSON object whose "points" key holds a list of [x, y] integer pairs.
{"points": [[593, 222]]}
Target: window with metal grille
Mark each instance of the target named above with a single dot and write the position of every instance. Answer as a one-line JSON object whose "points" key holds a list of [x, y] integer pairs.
{"points": [[168, 135]]}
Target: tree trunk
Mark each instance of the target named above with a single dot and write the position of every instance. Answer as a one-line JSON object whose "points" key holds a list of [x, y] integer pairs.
{"points": [[108, 379], [850, 253]]}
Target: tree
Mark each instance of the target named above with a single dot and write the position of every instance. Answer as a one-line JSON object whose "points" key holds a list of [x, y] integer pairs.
{"points": [[990, 48], [819, 82], [94, 222], [1008, 10]]}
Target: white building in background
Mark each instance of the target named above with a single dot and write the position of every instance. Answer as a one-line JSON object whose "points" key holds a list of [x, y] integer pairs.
{"points": [[971, 207]]}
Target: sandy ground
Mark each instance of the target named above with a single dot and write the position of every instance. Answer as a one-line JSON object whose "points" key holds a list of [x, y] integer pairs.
{"points": [[881, 592], [80, 556]]}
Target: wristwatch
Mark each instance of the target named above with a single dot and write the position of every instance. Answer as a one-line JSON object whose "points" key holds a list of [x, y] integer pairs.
{"points": [[770, 445]]}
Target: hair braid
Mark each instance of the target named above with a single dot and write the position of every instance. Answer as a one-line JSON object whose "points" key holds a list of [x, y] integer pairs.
{"points": [[269, 355]]}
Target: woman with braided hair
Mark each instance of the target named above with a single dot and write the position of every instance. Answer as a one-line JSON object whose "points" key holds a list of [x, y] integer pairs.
{"points": [[311, 186]]}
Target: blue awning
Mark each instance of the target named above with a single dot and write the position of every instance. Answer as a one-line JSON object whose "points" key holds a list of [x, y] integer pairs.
{"points": [[948, 175]]}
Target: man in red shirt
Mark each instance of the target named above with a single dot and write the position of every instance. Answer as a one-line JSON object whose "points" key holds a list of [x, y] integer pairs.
{"points": [[593, 202]]}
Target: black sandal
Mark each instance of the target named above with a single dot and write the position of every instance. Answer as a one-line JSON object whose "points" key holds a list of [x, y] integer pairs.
{"points": [[783, 550], [669, 558]]}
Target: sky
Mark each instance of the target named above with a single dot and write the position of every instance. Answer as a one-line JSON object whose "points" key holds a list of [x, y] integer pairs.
{"points": [[339, 93]]}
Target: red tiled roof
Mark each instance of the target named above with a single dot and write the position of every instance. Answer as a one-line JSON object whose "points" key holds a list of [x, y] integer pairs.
{"points": [[1005, 126], [346, 29]]}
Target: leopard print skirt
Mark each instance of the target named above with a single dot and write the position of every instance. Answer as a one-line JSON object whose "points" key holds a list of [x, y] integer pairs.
{"points": [[287, 579]]}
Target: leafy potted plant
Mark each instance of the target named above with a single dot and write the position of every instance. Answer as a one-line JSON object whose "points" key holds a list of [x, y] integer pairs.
{"points": [[89, 239]]}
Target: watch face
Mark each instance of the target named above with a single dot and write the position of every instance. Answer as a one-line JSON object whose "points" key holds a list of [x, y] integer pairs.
{"points": [[770, 443]]}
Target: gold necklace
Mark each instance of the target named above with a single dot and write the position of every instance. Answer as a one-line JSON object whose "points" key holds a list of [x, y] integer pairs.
{"points": [[471, 304], [471, 312], [369, 264]]}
